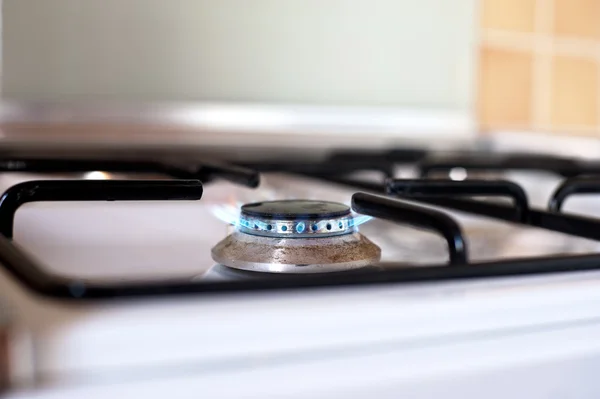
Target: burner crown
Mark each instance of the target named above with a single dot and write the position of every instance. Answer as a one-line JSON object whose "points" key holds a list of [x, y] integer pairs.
{"points": [[296, 219]]}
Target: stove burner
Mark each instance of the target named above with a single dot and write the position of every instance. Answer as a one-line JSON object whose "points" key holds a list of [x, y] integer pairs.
{"points": [[296, 236], [296, 219]]}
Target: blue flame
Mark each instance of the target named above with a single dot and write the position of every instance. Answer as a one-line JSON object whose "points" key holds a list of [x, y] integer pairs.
{"points": [[231, 214], [228, 213], [357, 220]]}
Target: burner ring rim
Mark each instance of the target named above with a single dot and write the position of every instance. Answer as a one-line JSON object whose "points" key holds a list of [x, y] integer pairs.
{"points": [[297, 228]]}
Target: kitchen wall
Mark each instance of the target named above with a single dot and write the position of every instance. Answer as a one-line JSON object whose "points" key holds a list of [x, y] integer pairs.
{"points": [[343, 52], [540, 65]]}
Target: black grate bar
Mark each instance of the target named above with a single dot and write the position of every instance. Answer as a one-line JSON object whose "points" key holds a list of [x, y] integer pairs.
{"points": [[201, 171], [578, 226], [372, 187], [530, 162], [27, 272], [49, 285], [417, 188], [233, 173], [92, 190], [344, 162], [574, 225], [400, 212], [78, 165], [496, 211], [400, 155], [568, 224], [404, 275], [323, 168], [573, 186]]}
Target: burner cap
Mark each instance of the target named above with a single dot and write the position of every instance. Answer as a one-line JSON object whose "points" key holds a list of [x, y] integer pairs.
{"points": [[296, 219], [296, 209]]}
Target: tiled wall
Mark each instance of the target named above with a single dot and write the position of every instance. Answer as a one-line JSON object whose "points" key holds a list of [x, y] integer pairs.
{"points": [[540, 65]]}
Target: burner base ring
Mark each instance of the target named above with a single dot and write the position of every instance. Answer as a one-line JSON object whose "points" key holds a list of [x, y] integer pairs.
{"points": [[296, 255]]}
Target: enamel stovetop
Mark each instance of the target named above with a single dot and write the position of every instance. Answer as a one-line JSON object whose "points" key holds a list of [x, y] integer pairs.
{"points": [[64, 348]]}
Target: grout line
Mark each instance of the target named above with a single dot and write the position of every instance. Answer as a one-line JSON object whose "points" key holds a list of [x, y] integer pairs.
{"points": [[577, 45], [511, 40], [579, 129], [527, 42]]}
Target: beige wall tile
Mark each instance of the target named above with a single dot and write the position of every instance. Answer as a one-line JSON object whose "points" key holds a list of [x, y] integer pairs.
{"points": [[578, 18], [574, 94], [505, 89], [513, 15]]}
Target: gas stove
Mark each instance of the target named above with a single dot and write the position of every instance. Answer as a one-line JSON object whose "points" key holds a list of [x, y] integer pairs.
{"points": [[248, 264]]}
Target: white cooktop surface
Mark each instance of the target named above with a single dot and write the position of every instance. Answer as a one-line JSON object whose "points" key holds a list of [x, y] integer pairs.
{"points": [[103, 344]]}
